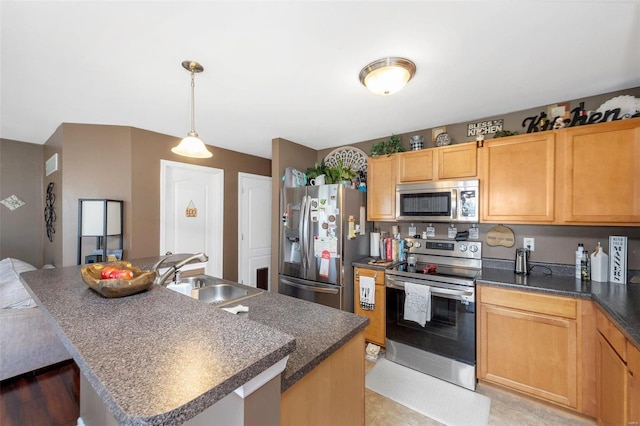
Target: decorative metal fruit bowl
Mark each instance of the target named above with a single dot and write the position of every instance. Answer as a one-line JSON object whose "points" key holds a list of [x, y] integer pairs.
{"points": [[117, 287]]}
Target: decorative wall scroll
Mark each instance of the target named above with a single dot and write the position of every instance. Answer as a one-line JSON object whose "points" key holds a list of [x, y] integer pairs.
{"points": [[191, 210], [49, 212]]}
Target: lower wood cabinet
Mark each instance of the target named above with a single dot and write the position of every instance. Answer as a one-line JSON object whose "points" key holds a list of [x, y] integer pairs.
{"points": [[532, 343], [376, 330], [618, 376], [332, 393], [633, 384]]}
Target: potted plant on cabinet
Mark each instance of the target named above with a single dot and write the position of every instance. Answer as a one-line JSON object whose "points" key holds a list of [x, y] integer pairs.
{"points": [[340, 174], [388, 147]]}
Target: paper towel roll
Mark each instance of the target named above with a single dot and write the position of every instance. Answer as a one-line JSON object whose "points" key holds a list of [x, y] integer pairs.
{"points": [[374, 250]]}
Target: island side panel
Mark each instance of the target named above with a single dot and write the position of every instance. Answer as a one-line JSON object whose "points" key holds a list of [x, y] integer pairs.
{"points": [[332, 393]]}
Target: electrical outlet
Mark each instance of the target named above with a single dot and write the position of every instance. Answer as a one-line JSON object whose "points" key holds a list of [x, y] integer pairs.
{"points": [[529, 243]]}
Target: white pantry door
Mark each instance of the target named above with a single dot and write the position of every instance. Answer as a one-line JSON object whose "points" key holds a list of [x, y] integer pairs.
{"points": [[191, 211], [254, 227]]}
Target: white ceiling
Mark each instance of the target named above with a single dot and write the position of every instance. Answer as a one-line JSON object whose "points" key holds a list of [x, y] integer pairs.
{"points": [[290, 69]]}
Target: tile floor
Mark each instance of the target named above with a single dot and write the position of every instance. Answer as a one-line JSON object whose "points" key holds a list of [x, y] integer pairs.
{"points": [[506, 410]]}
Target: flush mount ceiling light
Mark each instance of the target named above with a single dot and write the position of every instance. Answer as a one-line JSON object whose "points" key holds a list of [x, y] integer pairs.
{"points": [[192, 145], [388, 75]]}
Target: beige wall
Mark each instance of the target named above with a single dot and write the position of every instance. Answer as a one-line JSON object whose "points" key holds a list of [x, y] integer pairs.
{"points": [[21, 173], [52, 250], [96, 163], [148, 149], [123, 163]]}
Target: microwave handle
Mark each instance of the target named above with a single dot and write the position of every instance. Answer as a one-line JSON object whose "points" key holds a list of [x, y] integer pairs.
{"points": [[454, 204]]}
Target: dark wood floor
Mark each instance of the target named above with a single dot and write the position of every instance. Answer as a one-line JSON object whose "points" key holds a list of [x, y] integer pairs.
{"points": [[47, 397]]}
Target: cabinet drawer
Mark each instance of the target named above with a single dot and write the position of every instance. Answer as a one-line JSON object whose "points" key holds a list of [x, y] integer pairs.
{"points": [[533, 302], [611, 333]]}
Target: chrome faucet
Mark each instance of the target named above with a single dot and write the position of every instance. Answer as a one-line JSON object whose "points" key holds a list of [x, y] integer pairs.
{"points": [[162, 279]]}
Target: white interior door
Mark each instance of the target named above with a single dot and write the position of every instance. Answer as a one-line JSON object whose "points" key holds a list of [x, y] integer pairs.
{"points": [[254, 227], [191, 211]]}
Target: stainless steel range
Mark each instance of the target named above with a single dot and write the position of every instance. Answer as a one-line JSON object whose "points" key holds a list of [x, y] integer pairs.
{"points": [[431, 322]]}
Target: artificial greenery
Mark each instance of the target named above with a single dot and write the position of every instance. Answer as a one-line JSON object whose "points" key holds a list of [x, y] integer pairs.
{"points": [[389, 146], [339, 173], [504, 133], [316, 170], [334, 174]]}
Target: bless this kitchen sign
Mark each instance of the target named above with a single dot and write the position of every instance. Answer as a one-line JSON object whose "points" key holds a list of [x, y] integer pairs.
{"points": [[484, 127]]}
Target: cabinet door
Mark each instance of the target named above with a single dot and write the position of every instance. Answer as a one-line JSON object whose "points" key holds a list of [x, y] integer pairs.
{"points": [[517, 179], [529, 352], [415, 166], [376, 330], [611, 385], [457, 161], [633, 376], [381, 188], [600, 173]]}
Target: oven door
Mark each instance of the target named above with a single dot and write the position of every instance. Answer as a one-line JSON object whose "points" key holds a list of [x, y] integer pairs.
{"points": [[451, 331]]}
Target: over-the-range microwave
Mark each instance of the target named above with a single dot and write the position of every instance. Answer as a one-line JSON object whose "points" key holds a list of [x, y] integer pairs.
{"points": [[442, 201]]}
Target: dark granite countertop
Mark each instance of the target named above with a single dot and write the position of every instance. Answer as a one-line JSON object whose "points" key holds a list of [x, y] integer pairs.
{"points": [[620, 301], [160, 357], [319, 330]]}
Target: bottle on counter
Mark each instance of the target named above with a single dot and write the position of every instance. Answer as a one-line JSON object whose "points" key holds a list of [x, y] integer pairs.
{"points": [[412, 230], [579, 261], [599, 265], [585, 267]]}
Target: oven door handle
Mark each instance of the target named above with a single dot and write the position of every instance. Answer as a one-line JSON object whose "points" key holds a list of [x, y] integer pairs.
{"points": [[439, 291]]}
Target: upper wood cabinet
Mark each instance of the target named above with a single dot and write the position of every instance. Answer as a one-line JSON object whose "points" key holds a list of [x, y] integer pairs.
{"points": [[381, 188], [415, 166], [599, 173], [517, 179], [446, 162], [587, 175], [457, 161]]}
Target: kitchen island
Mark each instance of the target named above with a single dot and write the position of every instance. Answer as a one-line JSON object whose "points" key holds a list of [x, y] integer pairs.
{"points": [[159, 357]]}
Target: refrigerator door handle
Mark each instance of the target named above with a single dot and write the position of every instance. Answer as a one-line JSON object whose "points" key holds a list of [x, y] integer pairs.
{"points": [[301, 231], [307, 236], [313, 288]]}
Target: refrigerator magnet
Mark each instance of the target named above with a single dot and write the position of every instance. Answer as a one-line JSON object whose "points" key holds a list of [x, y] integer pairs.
{"points": [[324, 264]]}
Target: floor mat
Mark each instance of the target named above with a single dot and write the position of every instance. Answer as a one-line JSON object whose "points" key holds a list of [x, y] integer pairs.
{"points": [[434, 398]]}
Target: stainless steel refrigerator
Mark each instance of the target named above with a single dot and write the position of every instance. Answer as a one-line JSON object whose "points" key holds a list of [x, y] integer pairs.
{"points": [[323, 230]]}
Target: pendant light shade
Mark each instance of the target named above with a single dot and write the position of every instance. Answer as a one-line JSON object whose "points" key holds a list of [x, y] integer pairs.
{"points": [[192, 145], [388, 75]]}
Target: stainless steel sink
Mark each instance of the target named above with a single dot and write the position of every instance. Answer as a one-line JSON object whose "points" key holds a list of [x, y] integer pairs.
{"points": [[214, 290]]}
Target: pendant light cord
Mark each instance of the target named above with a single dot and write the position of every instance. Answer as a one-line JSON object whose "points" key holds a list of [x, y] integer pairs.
{"points": [[193, 115]]}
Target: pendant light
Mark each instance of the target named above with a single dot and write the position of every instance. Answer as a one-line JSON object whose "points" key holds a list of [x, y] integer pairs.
{"points": [[192, 145], [388, 75]]}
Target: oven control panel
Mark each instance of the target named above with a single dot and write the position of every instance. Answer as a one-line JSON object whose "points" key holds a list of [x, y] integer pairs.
{"points": [[461, 249]]}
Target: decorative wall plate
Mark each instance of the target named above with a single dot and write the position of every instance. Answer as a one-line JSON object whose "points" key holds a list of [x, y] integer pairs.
{"points": [[629, 105], [350, 156], [443, 139]]}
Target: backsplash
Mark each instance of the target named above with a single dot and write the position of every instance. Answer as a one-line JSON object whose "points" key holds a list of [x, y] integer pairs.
{"points": [[553, 244]]}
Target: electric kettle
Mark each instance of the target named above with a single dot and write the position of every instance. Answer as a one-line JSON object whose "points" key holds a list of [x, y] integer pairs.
{"points": [[522, 261]]}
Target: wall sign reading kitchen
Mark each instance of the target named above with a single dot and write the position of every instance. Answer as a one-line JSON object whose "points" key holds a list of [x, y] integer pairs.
{"points": [[618, 108]]}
